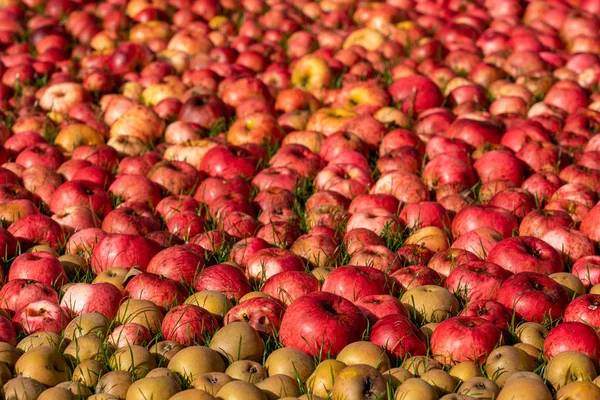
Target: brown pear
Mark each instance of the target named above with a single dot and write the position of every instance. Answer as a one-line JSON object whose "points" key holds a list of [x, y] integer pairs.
{"points": [[430, 303], [157, 388], [77, 388], [358, 381], [114, 276], [525, 389], [365, 353], [141, 312], [418, 365], [192, 394], [193, 361], [115, 383], [505, 361], [396, 376], [88, 372], [44, 364], [416, 389], [278, 385], [85, 324], [212, 301], [21, 388], [56, 393], [247, 371], [465, 370], [88, 347], [164, 351], [39, 339], [9, 354], [567, 367], [479, 387], [238, 341], [211, 382], [291, 362], [442, 381], [238, 390], [135, 359], [581, 390], [321, 382], [532, 333]]}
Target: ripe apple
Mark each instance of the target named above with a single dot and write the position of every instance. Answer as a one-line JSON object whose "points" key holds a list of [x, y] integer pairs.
{"points": [[478, 338], [321, 324], [398, 336], [533, 297]]}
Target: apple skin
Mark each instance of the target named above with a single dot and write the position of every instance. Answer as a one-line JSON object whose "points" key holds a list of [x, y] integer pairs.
{"points": [[19, 292], [8, 245], [263, 314], [462, 339], [8, 334], [444, 262], [353, 282], [477, 280], [414, 275], [427, 213], [587, 269], [499, 165], [526, 254], [130, 221], [399, 337], [287, 286], [82, 193], [377, 306], [584, 308], [162, 291], [572, 336], [415, 94], [491, 311], [533, 297], [84, 241], [37, 229], [242, 250], [539, 222], [321, 324], [41, 316], [484, 216], [125, 251], [83, 298], [39, 266], [181, 263], [269, 262], [174, 204], [188, 324], [224, 278], [129, 334]]}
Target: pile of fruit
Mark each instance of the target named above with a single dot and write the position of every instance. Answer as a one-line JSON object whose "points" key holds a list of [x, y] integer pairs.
{"points": [[334, 199]]}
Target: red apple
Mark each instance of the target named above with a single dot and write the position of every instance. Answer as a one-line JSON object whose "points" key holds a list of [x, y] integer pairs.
{"points": [[462, 339], [321, 324], [491, 311], [163, 292], [188, 324], [584, 308], [572, 336], [39, 266], [477, 280], [287, 286], [263, 314], [124, 251], [82, 298], [533, 297], [526, 254], [41, 316], [399, 337]]}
